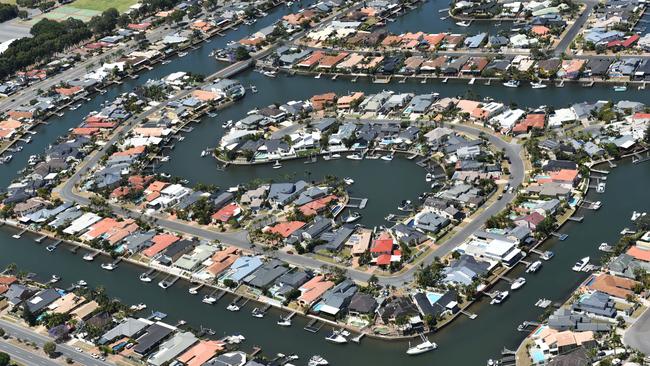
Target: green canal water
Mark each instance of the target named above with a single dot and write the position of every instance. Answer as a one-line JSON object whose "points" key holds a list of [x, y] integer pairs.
{"points": [[466, 342]]}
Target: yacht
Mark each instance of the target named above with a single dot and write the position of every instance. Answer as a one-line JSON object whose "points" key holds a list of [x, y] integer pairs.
{"points": [[55, 279], [82, 283], [208, 299], [373, 157], [108, 266], [336, 337], [284, 322], [270, 74], [511, 84], [352, 217], [534, 267], [227, 124], [387, 157], [423, 347], [499, 298], [277, 165], [317, 360], [635, 215], [537, 85], [138, 307], [428, 177], [257, 313], [182, 54], [518, 283], [232, 307], [348, 180], [145, 277], [335, 156], [604, 247], [89, 257], [354, 156], [581, 264]]}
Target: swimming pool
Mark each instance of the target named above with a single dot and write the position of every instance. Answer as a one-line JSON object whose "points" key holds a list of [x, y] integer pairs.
{"points": [[433, 297], [537, 355]]}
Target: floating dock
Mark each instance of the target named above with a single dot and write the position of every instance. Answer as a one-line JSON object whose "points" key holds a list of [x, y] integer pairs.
{"points": [[314, 326], [359, 203]]}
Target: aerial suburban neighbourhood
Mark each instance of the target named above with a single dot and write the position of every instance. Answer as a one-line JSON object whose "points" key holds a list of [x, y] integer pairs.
{"points": [[324, 182]]}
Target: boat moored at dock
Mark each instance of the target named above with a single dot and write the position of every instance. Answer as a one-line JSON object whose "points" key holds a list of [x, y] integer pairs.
{"points": [[425, 346], [499, 297], [518, 283], [581, 264], [534, 267]]}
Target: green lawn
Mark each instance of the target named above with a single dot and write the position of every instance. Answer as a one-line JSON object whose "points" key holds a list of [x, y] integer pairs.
{"points": [[101, 5]]}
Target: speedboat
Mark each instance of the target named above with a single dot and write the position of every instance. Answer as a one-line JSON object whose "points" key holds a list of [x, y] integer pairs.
{"points": [[348, 180], [145, 277], [163, 284], [354, 157], [499, 298], [194, 290], [428, 177], [55, 279], [511, 84], [277, 165], [537, 85], [336, 337], [387, 157], [182, 54], [232, 307], [208, 299], [257, 313], [89, 257], [534, 267], [423, 347], [620, 88], [50, 248], [284, 322], [604, 247], [352, 217], [82, 283], [547, 255], [405, 205], [108, 266], [581, 264], [463, 24], [518, 283], [317, 360], [635, 215]]}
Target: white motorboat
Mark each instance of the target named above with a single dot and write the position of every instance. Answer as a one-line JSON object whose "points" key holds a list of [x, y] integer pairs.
{"points": [[82, 283], [511, 84], [335, 156], [336, 337], [518, 283], [499, 298], [50, 248], [405, 206], [270, 74], [163, 284], [354, 157], [108, 266], [253, 88], [581, 264], [604, 247], [352, 217], [317, 360], [232, 307], [387, 157], [55, 279], [227, 124], [234, 339], [428, 177], [463, 24], [348, 180], [547, 255], [284, 322], [257, 313], [534, 267], [635, 216], [277, 165], [373, 157], [89, 257], [537, 85], [620, 88], [194, 290], [138, 307], [423, 347], [182, 54], [208, 299], [145, 278], [472, 81], [600, 188]]}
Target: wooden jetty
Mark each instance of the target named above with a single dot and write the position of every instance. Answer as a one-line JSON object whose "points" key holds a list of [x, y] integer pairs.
{"points": [[40, 239], [357, 339], [313, 326]]}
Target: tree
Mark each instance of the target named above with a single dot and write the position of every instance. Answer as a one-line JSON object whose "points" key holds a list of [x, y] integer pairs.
{"points": [[241, 54], [5, 359], [28, 316], [50, 349]]}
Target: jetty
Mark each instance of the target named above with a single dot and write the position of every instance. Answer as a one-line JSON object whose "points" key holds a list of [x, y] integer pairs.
{"points": [[560, 236], [40, 239], [359, 203], [314, 326], [576, 218], [468, 314], [528, 326], [20, 234], [52, 247], [638, 158]]}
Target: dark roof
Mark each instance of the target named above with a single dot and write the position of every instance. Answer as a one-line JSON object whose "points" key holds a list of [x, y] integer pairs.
{"points": [[363, 303], [576, 357], [155, 333]]}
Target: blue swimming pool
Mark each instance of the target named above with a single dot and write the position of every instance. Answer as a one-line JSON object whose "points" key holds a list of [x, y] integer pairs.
{"points": [[433, 297], [537, 355]]}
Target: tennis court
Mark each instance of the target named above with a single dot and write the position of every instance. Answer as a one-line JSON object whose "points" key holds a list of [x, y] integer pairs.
{"points": [[64, 12]]}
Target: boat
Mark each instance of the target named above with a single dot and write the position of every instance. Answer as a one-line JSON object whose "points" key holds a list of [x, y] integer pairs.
{"points": [[511, 84], [518, 283], [284, 322], [208, 299], [620, 88], [82, 283], [428, 177], [163, 284], [108, 266], [204, 153], [232, 307], [534, 267], [547, 255], [194, 290], [537, 85], [234, 339], [600, 188], [581, 264], [165, 62], [317, 360], [227, 124], [138, 307], [472, 81], [257, 313], [420, 348], [277, 165], [463, 24], [145, 277], [635, 216], [499, 298], [182, 54], [387, 157], [253, 88], [604, 247], [50, 248], [354, 157], [405, 205], [55, 279], [352, 217], [270, 74], [88, 257], [373, 157], [336, 337], [348, 180]]}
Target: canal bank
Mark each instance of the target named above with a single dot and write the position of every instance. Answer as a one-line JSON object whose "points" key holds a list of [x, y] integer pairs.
{"points": [[555, 281]]}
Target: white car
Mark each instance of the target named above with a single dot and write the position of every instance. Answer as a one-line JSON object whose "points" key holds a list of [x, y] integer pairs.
{"points": [[78, 349]]}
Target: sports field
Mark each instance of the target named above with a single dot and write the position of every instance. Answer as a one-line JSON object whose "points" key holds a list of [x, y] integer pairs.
{"points": [[101, 5]]}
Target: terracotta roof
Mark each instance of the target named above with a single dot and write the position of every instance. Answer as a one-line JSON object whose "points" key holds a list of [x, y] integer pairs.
{"points": [[613, 285], [640, 254], [286, 228], [160, 243], [201, 353], [313, 289]]}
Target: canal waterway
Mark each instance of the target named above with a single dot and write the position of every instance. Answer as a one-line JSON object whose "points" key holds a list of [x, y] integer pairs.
{"points": [[466, 342]]}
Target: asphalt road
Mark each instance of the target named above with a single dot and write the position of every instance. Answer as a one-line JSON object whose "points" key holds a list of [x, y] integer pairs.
{"points": [[575, 28], [21, 332], [25, 357], [637, 335]]}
